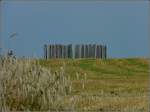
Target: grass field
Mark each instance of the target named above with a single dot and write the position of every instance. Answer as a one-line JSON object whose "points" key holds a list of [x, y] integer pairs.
{"points": [[118, 85], [111, 85]]}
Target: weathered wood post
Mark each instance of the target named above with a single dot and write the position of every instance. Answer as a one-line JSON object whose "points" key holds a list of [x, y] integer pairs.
{"points": [[97, 51], [101, 51], [82, 51], [60, 47], [53, 51], [70, 53], [86, 51], [104, 52], [78, 51], [94, 48], [45, 51]]}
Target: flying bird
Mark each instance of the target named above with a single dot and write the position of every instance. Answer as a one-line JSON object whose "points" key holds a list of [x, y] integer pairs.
{"points": [[13, 35]]}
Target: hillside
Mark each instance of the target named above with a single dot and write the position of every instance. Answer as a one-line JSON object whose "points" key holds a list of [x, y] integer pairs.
{"points": [[106, 85]]}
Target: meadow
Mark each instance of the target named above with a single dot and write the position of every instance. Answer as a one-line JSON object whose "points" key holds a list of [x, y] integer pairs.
{"points": [[111, 85], [118, 85]]}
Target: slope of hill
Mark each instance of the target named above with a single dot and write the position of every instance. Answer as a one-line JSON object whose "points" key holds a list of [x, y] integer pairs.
{"points": [[106, 85]]}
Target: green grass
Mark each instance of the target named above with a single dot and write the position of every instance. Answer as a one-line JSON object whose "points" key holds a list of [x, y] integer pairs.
{"points": [[115, 83], [99, 68]]}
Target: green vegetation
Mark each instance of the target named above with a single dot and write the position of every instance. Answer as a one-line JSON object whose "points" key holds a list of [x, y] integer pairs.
{"points": [[25, 85], [110, 85]]}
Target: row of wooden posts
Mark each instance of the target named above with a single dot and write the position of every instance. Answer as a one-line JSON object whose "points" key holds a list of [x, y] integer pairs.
{"points": [[78, 51]]}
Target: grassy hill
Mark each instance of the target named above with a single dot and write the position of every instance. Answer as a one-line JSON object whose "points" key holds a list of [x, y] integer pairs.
{"points": [[106, 85]]}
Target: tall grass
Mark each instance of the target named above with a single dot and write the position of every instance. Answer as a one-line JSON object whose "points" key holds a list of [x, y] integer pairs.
{"points": [[111, 85], [116, 85], [25, 85]]}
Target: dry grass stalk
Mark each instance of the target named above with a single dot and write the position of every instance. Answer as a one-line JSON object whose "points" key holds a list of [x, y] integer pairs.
{"points": [[25, 85]]}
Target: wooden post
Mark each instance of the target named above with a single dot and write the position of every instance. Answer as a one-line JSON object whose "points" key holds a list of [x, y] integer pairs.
{"points": [[45, 51]]}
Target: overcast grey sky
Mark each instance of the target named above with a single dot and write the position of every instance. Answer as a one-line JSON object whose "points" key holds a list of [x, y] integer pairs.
{"points": [[122, 26]]}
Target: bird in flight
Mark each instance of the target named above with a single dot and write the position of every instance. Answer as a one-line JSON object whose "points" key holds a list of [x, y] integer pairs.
{"points": [[13, 35]]}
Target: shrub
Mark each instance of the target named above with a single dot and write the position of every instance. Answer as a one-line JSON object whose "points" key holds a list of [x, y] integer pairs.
{"points": [[25, 85]]}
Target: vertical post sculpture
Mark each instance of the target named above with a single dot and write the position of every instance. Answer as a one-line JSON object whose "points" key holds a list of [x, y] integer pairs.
{"points": [[47, 48], [76, 51], [94, 52], [67, 46], [101, 51], [78, 47], [52, 51], [49, 51], [45, 51], [86, 51], [79, 51], [73, 52], [60, 47], [62, 51], [90, 51], [97, 51], [70, 55], [84, 47], [57, 51], [82, 51], [105, 55], [104, 52], [65, 53]]}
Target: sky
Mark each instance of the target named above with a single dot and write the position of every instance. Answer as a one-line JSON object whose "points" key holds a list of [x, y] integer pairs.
{"points": [[121, 26]]}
